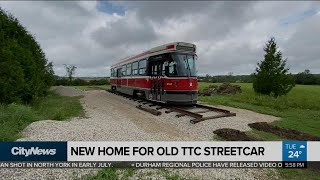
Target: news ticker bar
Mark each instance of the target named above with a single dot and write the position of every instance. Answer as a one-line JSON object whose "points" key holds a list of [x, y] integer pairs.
{"points": [[161, 151], [148, 164]]}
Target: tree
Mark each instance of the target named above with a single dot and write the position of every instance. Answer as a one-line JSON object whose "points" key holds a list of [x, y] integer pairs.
{"points": [[207, 78], [229, 77], [70, 71], [24, 72], [271, 76]]}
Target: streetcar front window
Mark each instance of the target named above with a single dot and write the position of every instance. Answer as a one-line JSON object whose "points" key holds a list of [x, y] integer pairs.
{"points": [[181, 65]]}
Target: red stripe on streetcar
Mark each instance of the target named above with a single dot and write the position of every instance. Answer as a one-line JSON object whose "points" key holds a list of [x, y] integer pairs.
{"points": [[170, 84]]}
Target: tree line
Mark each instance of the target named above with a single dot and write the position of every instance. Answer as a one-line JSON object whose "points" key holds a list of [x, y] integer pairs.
{"points": [[225, 78], [60, 81], [24, 70], [304, 78], [69, 80]]}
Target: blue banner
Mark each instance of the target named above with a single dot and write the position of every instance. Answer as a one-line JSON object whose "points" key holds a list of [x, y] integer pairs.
{"points": [[33, 151]]}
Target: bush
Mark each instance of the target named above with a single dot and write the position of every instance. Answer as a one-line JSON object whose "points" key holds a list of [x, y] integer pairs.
{"points": [[25, 73]]}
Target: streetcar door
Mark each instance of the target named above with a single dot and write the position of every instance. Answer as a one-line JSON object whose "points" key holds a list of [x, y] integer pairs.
{"points": [[119, 73], [156, 81]]}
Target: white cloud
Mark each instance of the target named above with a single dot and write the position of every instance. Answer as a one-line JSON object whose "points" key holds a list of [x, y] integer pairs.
{"points": [[229, 35]]}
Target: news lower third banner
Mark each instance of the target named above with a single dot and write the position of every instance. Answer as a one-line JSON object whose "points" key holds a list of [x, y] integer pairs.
{"points": [[160, 154]]}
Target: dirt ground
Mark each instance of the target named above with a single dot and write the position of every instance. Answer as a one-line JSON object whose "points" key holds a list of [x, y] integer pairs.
{"points": [[114, 118]]}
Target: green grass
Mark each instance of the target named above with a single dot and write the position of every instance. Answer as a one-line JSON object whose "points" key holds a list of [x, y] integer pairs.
{"points": [[87, 88], [299, 110], [15, 117], [57, 107], [264, 135]]}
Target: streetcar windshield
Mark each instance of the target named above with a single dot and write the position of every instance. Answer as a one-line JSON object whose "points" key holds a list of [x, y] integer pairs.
{"points": [[182, 65]]}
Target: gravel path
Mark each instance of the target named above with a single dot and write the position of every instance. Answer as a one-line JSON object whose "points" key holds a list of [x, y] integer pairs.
{"points": [[114, 118]]}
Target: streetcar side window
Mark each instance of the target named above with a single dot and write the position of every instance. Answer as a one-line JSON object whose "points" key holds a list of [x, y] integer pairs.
{"points": [[124, 69], [111, 74], [142, 67], [119, 72], [135, 68], [128, 69]]}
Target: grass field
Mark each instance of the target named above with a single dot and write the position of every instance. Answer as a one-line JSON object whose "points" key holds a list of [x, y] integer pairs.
{"points": [[299, 110], [15, 117]]}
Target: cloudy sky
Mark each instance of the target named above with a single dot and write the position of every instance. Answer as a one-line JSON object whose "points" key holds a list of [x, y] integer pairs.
{"points": [[229, 35]]}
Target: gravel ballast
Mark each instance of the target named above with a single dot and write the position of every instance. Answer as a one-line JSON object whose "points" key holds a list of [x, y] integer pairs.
{"points": [[114, 118]]}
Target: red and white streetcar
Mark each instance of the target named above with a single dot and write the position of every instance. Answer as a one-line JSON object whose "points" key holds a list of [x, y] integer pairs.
{"points": [[164, 74]]}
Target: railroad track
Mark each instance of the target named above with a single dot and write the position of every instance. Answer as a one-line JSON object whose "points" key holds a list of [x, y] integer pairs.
{"points": [[196, 111]]}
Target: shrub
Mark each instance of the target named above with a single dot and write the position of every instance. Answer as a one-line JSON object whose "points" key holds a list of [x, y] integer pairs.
{"points": [[25, 73]]}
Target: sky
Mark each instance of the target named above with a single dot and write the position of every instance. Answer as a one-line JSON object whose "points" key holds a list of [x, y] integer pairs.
{"points": [[230, 36]]}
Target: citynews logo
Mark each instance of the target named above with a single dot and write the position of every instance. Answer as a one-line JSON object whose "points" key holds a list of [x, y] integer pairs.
{"points": [[21, 151]]}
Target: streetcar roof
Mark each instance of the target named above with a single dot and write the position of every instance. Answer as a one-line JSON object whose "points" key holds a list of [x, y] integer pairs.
{"points": [[170, 47]]}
